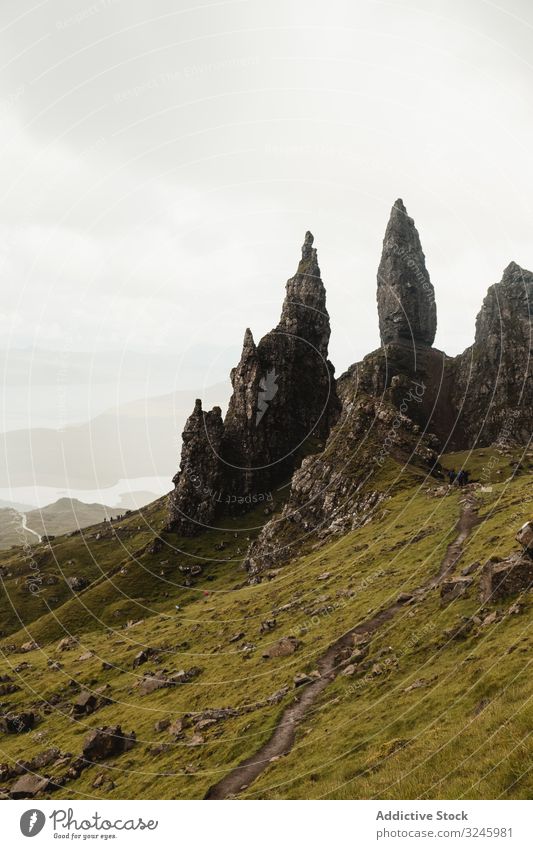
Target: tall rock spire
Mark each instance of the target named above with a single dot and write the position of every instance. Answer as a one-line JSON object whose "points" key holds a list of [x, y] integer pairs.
{"points": [[406, 298], [493, 379], [304, 312], [197, 484], [284, 402]]}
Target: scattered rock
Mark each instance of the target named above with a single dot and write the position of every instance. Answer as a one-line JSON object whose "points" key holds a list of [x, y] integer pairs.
{"points": [[106, 742], [177, 727], [525, 537], [143, 656], [17, 723], [283, 648], [404, 598], [29, 786], [493, 617], [469, 570], [67, 643], [454, 588], [77, 583], [85, 656], [86, 703], [301, 678], [195, 740], [510, 577], [31, 645], [236, 637]]}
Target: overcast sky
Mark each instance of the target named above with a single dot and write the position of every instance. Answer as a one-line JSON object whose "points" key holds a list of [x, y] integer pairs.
{"points": [[162, 160]]}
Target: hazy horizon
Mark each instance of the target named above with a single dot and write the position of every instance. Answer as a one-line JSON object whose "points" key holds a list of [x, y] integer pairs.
{"points": [[161, 165]]}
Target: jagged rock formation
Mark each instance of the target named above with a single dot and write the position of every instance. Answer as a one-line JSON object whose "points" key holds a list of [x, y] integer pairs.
{"points": [[341, 489], [493, 379], [283, 405], [198, 482], [406, 298], [408, 401]]}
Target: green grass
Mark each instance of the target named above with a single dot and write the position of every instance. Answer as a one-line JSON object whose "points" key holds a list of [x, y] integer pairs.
{"points": [[464, 734]]}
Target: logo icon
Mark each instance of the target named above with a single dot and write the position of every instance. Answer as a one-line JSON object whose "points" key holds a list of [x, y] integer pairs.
{"points": [[268, 389], [32, 822]]}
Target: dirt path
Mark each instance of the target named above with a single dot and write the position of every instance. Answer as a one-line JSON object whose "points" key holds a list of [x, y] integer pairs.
{"points": [[24, 520], [329, 666]]}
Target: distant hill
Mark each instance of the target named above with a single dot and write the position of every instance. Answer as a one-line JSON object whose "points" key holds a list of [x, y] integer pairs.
{"points": [[18, 527], [68, 514]]}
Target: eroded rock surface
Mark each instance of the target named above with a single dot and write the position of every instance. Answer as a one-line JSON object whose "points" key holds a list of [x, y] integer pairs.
{"points": [[282, 407], [406, 298]]}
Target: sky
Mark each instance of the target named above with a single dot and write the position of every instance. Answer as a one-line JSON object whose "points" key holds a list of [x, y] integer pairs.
{"points": [[161, 162]]}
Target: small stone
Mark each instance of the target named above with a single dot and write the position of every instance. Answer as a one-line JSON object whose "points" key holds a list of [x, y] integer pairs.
{"points": [[301, 678], [284, 647]]}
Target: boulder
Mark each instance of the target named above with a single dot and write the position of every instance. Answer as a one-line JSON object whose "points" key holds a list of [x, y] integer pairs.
{"points": [[17, 723], [151, 683], [283, 648], [300, 679], [67, 643], [77, 583], [107, 742], [86, 703], [177, 727], [509, 577], [31, 645], [454, 588], [525, 537], [28, 786]]}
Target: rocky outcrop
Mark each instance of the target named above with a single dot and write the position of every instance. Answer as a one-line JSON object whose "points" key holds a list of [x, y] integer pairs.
{"points": [[107, 742], [339, 490], [406, 298], [198, 483], [493, 379], [512, 576], [282, 407], [406, 403]]}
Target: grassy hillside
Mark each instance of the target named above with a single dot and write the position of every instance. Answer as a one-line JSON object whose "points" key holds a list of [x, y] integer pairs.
{"points": [[423, 709]]}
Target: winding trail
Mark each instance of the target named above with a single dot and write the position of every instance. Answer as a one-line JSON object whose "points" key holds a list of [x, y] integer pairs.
{"points": [[24, 519], [331, 663]]}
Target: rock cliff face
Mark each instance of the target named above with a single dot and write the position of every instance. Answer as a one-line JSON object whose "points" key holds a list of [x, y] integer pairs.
{"points": [[283, 405], [198, 483], [406, 298], [406, 402], [493, 379]]}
